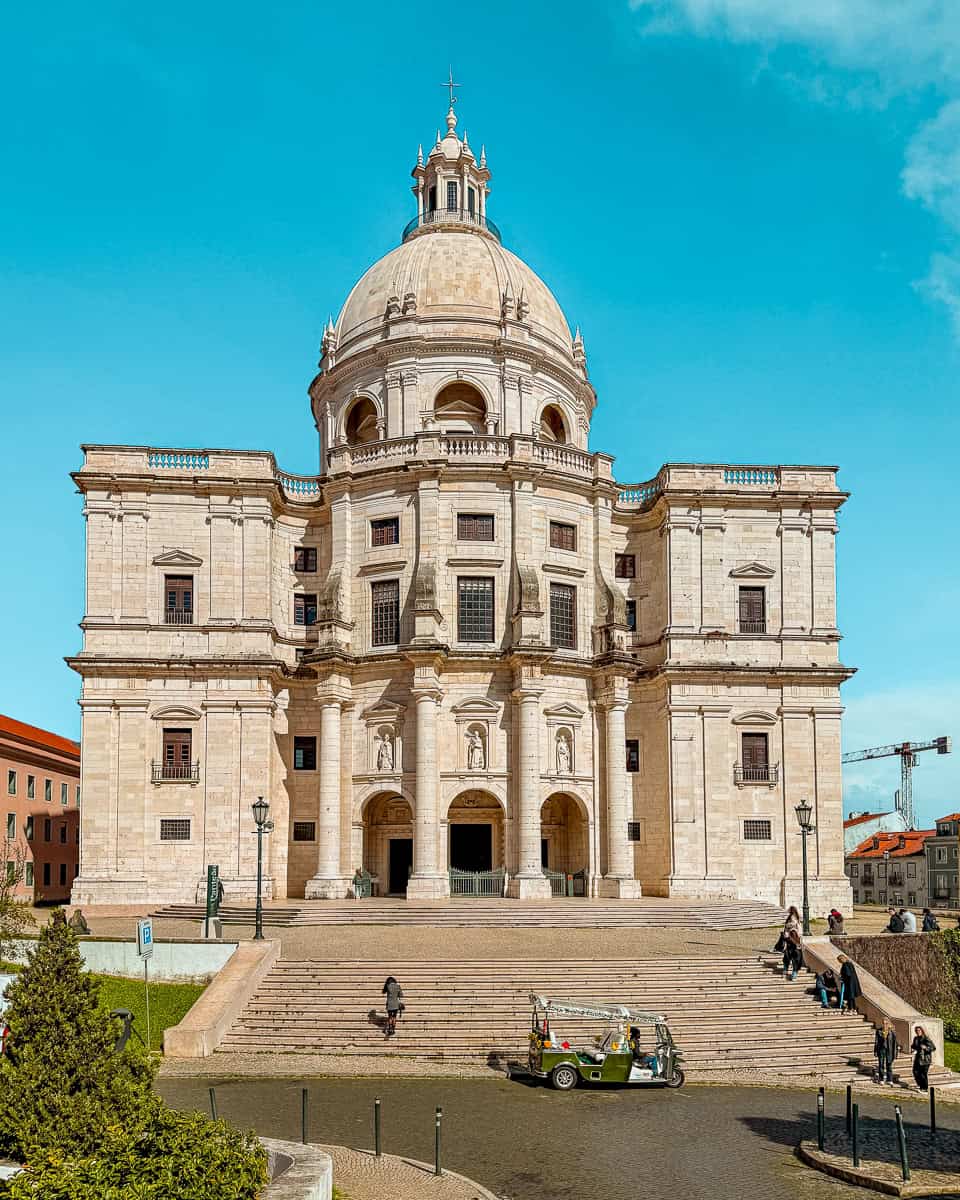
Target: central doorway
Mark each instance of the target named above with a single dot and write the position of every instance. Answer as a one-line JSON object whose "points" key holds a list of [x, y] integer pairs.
{"points": [[401, 863], [471, 847]]}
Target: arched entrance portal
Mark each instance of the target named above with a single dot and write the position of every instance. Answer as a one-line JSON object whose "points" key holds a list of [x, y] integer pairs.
{"points": [[388, 842], [475, 832], [564, 835]]}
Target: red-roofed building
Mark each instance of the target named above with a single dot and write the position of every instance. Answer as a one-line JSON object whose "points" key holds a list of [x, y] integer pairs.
{"points": [[862, 824], [891, 868], [41, 774], [943, 851]]}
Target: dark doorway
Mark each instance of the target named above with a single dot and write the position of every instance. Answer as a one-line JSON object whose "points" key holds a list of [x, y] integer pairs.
{"points": [[545, 853], [401, 862], [471, 847]]}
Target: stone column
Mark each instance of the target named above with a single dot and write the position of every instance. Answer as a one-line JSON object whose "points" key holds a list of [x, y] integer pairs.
{"points": [[328, 883], [529, 883], [619, 880], [429, 880]]}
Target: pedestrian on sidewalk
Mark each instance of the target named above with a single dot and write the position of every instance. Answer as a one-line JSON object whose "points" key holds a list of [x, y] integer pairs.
{"points": [[930, 922], [792, 955], [850, 987], [909, 920], [792, 922], [395, 1006], [885, 1049], [923, 1050]]}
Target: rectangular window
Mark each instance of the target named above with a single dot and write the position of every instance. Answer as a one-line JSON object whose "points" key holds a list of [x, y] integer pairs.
{"points": [[304, 609], [385, 613], [174, 829], [28, 874], [634, 831], [563, 537], [177, 754], [304, 753], [11, 783], [471, 201], [63, 833], [451, 195], [31, 787], [11, 870], [305, 559], [941, 854], [754, 758], [48, 790], [563, 615], [632, 615], [178, 599], [475, 610], [753, 612], [633, 754], [911, 870], [475, 527], [47, 829], [64, 793], [78, 795], [856, 896], [854, 870], [911, 898], [755, 830], [625, 566], [29, 829], [11, 826], [882, 897], [46, 874], [304, 831], [385, 532], [63, 874]]}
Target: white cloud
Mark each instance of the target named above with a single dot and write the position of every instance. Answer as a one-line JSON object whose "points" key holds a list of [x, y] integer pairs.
{"points": [[863, 51]]}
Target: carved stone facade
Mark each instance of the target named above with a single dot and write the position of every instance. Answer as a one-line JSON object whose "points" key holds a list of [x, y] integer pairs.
{"points": [[462, 644]]}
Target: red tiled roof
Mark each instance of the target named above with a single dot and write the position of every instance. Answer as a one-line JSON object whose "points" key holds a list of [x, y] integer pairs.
{"points": [[863, 817], [30, 733], [890, 842], [950, 817]]}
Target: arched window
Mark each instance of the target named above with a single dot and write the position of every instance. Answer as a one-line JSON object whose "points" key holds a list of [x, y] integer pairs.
{"points": [[362, 423], [460, 408], [552, 425]]}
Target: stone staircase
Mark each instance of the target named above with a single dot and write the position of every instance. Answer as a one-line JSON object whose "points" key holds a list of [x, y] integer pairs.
{"points": [[562, 913], [725, 1013]]}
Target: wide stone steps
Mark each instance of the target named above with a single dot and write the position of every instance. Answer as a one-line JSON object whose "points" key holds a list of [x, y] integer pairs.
{"points": [[562, 913], [725, 1014]]}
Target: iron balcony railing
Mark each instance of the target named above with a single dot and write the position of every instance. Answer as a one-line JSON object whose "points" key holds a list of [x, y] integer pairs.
{"points": [[753, 627], [767, 774], [451, 216], [185, 772], [895, 880], [178, 616], [477, 883]]}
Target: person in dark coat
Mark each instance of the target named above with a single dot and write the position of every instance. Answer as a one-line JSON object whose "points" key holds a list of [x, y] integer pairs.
{"points": [[885, 1049], [825, 986], [930, 923], [394, 1005], [850, 987], [896, 924], [792, 955], [923, 1049]]}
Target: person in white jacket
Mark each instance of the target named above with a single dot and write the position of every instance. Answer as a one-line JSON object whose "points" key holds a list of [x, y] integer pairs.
{"points": [[909, 920]]}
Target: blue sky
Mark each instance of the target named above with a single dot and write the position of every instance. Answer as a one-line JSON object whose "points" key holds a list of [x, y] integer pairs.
{"points": [[752, 209]]}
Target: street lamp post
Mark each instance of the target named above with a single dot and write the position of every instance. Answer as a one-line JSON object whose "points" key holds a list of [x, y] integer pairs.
{"points": [[804, 813], [261, 812]]}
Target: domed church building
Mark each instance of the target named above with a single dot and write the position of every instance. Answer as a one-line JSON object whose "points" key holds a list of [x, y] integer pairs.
{"points": [[462, 658]]}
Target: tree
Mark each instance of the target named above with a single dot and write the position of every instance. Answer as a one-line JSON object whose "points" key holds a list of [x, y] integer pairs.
{"points": [[15, 915]]}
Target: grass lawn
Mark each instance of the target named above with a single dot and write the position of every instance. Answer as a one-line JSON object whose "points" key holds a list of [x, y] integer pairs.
{"points": [[168, 1003], [951, 1055]]}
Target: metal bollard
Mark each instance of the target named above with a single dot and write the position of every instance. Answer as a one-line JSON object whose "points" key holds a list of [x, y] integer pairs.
{"points": [[856, 1135], [213, 1102], [376, 1128], [902, 1140], [820, 1119], [437, 1170], [933, 1112], [849, 1108], [303, 1116]]}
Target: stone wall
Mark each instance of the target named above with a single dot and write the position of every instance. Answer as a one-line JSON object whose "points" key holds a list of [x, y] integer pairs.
{"points": [[911, 964]]}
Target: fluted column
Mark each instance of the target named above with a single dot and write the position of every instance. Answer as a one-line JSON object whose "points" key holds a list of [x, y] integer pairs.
{"points": [[429, 880], [529, 881], [329, 882], [619, 880]]}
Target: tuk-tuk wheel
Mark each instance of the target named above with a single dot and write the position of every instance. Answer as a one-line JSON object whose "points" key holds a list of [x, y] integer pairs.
{"points": [[564, 1078], [677, 1079]]}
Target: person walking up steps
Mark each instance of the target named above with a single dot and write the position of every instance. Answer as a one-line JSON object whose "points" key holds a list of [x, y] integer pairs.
{"points": [[792, 955], [885, 1049], [394, 1005], [923, 1049]]}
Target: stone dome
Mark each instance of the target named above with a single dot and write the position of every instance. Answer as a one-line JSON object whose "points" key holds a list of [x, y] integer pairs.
{"points": [[457, 283]]}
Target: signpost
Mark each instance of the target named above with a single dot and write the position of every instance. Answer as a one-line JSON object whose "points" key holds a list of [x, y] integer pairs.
{"points": [[145, 950]]}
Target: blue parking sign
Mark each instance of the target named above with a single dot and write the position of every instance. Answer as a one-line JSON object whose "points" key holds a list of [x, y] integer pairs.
{"points": [[145, 937]]}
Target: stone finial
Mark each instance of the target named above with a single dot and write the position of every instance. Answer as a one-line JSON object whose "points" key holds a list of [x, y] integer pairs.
{"points": [[522, 306], [393, 306], [507, 303], [329, 340], [483, 155], [579, 350], [420, 155], [451, 123], [409, 303]]}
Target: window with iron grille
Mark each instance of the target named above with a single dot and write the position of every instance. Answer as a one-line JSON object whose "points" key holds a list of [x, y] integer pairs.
{"points": [[304, 753], [451, 195], [756, 830], [174, 829], [385, 531], [304, 831], [11, 783], [632, 615], [305, 559], [178, 599], [753, 610], [563, 537], [304, 609], [634, 831], [633, 754], [64, 793], [563, 615], [475, 610], [475, 527], [625, 566], [385, 614]]}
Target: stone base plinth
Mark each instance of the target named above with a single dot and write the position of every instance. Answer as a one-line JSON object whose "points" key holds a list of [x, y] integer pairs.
{"points": [[428, 887], [824, 894], [533, 887], [620, 889], [116, 889], [337, 888], [704, 887]]}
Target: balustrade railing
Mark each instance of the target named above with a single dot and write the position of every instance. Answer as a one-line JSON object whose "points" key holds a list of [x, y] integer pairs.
{"points": [[451, 216], [767, 774], [763, 476], [474, 445], [641, 493], [566, 457], [176, 461], [178, 616], [299, 487], [164, 772], [752, 626]]}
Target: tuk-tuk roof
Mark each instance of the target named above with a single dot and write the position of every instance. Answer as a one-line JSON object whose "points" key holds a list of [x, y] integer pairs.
{"points": [[603, 1012]]}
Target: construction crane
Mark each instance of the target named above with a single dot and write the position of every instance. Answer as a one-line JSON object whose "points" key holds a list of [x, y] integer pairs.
{"points": [[908, 760]]}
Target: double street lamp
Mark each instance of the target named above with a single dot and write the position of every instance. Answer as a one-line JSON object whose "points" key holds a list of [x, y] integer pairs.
{"points": [[804, 813], [261, 814]]}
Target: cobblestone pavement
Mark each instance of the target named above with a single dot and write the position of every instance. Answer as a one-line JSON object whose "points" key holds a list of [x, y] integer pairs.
{"points": [[934, 1161], [362, 1176], [524, 1141]]}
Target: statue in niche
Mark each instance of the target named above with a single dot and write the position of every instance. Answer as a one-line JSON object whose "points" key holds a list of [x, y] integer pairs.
{"points": [[476, 757], [385, 751], [563, 753]]}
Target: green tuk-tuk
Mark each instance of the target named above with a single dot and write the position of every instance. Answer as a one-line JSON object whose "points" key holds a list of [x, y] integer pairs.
{"points": [[635, 1046]]}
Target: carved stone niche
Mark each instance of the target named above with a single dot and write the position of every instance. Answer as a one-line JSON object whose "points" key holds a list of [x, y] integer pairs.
{"points": [[383, 736], [563, 733], [476, 720]]}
